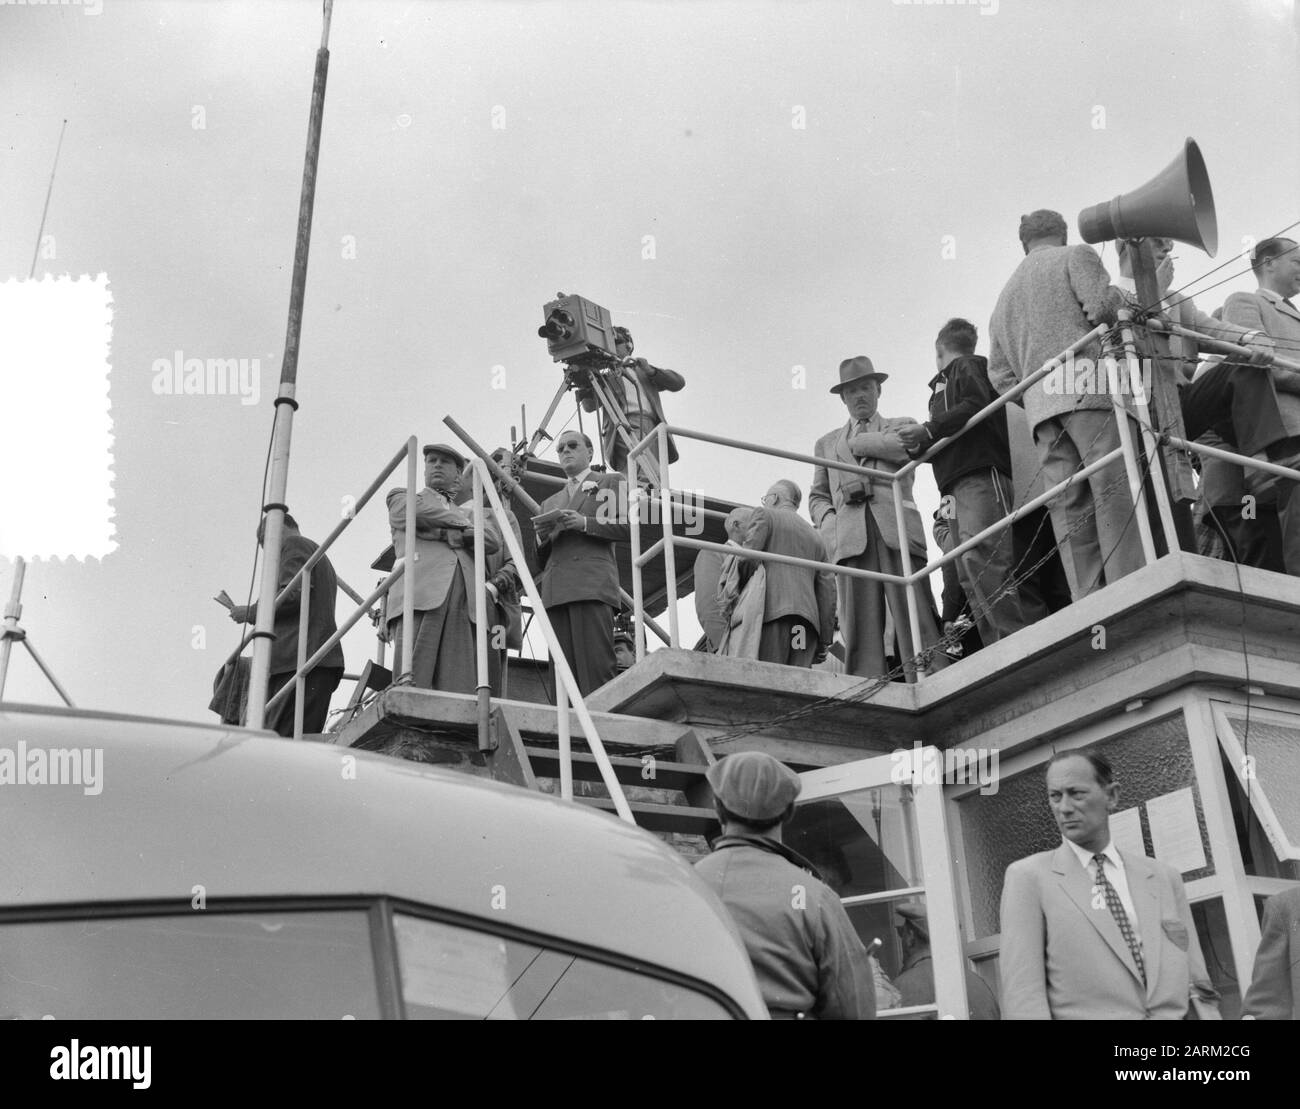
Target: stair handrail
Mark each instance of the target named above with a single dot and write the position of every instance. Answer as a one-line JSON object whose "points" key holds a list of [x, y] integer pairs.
{"points": [[566, 685]]}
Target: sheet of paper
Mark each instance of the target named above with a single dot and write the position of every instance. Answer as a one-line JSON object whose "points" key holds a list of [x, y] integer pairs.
{"points": [[1175, 833], [1126, 831]]}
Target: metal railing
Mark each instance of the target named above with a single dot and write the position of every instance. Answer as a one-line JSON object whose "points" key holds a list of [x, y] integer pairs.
{"points": [[566, 686], [409, 452], [1130, 371]]}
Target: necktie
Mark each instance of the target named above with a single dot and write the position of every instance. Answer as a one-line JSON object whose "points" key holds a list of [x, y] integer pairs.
{"points": [[1116, 907]]}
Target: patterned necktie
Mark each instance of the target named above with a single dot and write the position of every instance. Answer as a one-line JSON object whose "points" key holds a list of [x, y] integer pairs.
{"points": [[1116, 907]]}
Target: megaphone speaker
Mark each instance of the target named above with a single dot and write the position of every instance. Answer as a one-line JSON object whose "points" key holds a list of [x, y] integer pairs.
{"points": [[1175, 204]]}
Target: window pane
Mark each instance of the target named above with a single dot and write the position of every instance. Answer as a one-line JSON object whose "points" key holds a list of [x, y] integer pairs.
{"points": [[862, 842], [204, 965], [1212, 930], [451, 973]]}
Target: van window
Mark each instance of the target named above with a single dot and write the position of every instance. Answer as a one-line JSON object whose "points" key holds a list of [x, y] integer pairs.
{"points": [[213, 965], [452, 973]]}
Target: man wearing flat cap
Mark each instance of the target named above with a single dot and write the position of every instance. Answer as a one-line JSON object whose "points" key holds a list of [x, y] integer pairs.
{"points": [[856, 518], [808, 959], [442, 577]]}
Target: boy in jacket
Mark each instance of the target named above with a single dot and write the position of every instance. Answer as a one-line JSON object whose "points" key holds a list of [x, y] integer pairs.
{"points": [[973, 475]]}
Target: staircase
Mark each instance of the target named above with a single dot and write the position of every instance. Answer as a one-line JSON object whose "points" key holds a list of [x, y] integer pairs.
{"points": [[660, 764], [665, 786]]}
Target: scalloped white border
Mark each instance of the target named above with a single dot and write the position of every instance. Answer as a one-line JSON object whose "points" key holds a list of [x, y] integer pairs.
{"points": [[56, 441]]}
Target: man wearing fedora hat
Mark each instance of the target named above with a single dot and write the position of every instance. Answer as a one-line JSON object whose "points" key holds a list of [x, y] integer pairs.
{"points": [[856, 518], [442, 577], [808, 959]]}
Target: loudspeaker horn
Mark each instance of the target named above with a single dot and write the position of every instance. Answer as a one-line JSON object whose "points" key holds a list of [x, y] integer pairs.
{"points": [[1175, 204]]}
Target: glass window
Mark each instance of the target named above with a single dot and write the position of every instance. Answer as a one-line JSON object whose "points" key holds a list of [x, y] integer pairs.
{"points": [[862, 842], [1212, 930], [201, 965], [454, 973]]}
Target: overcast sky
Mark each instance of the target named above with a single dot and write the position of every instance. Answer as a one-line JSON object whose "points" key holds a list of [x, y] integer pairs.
{"points": [[750, 187]]}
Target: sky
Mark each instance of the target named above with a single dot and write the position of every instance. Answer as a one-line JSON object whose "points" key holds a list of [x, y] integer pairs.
{"points": [[758, 190]]}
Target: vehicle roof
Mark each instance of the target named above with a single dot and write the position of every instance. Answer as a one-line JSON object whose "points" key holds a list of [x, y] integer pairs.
{"points": [[247, 814]]}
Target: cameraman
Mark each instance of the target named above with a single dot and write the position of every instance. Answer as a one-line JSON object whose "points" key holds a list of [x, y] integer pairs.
{"points": [[634, 387]]}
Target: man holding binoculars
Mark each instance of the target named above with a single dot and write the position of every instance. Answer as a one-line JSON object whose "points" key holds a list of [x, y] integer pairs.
{"points": [[855, 515]]}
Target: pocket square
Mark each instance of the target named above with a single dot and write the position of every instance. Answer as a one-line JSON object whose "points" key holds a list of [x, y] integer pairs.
{"points": [[1176, 930]]}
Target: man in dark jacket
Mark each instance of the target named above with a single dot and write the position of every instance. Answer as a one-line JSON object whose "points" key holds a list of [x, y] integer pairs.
{"points": [[806, 954], [295, 550], [974, 477]]}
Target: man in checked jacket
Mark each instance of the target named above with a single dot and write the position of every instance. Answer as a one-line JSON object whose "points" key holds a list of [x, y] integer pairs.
{"points": [[974, 477]]}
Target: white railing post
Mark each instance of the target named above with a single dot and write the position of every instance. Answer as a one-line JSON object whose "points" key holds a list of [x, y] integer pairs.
{"points": [[1120, 410], [300, 678], [634, 523], [905, 553], [666, 521], [408, 559], [1137, 382], [562, 734], [480, 605]]}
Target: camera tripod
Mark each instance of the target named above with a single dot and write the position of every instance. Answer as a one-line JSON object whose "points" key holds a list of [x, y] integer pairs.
{"points": [[647, 462]]}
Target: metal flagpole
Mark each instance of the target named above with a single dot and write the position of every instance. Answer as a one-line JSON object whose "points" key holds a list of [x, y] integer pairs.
{"points": [[285, 402]]}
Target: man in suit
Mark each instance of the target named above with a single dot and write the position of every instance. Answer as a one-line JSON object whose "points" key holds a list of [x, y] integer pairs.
{"points": [[442, 577], [1272, 311], [295, 549], [798, 603], [856, 519], [576, 549], [1090, 932], [635, 387], [1275, 986], [1056, 296]]}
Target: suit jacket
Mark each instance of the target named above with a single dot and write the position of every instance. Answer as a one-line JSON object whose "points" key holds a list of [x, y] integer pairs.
{"points": [[843, 526], [1275, 986], [650, 380], [793, 590], [1055, 297], [294, 552], [437, 560], [580, 566], [1063, 959], [1257, 312]]}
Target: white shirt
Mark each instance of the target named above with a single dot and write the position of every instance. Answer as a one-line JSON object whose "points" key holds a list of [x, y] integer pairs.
{"points": [[572, 483], [1116, 875]]}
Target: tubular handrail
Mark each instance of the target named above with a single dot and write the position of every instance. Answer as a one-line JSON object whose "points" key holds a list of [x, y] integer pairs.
{"points": [[1137, 412], [560, 665], [302, 578], [328, 541]]}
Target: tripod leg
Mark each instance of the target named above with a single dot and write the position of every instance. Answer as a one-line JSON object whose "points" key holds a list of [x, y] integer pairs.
{"points": [[622, 429], [46, 671], [541, 432]]}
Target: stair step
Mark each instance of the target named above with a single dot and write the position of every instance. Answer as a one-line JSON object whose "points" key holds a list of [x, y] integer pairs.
{"points": [[627, 769], [662, 818]]}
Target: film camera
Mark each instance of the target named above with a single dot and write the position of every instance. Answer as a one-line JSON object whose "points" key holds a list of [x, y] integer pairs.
{"points": [[579, 332]]}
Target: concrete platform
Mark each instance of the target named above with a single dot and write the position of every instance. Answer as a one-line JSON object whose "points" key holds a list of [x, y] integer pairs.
{"points": [[1183, 620]]}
